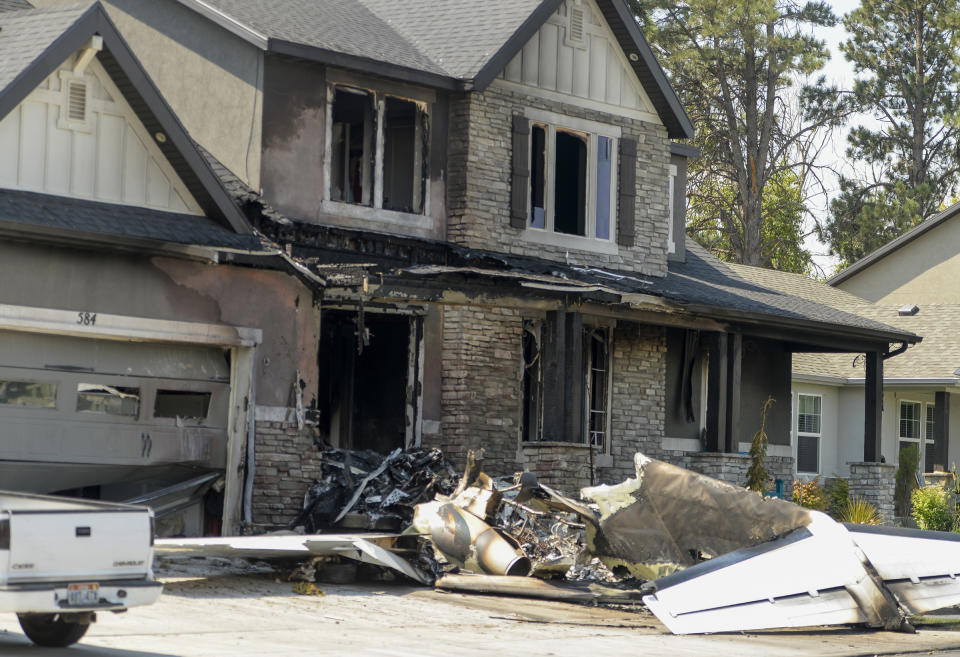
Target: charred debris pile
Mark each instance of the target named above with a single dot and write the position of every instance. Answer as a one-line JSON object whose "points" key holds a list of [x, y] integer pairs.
{"points": [[504, 526]]}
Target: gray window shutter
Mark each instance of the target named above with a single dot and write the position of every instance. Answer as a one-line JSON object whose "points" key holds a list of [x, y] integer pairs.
{"points": [[520, 180], [626, 219]]}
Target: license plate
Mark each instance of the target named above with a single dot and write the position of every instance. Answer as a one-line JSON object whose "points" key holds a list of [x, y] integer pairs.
{"points": [[83, 595]]}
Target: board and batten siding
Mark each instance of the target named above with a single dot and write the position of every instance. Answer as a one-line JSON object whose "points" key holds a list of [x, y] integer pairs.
{"points": [[595, 70], [112, 158]]}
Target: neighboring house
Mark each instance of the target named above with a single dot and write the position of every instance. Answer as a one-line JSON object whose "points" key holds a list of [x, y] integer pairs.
{"points": [[909, 283], [487, 204]]}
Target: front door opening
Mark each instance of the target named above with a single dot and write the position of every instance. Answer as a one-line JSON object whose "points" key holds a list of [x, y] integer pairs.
{"points": [[366, 396]]}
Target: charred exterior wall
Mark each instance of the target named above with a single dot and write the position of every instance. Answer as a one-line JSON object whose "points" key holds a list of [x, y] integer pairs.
{"points": [[478, 196]]}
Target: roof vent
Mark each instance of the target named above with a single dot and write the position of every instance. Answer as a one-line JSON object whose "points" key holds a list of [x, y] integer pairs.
{"points": [[908, 310], [75, 102], [576, 15]]}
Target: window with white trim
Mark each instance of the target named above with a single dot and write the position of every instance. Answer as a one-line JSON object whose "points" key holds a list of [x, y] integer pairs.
{"points": [[378, 147], [596, 357], [809, 421], [572, 180], [909, 427]]}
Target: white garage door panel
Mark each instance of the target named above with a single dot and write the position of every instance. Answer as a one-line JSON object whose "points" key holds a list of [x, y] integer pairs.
{"points": [[155, 360], [122, 379]]}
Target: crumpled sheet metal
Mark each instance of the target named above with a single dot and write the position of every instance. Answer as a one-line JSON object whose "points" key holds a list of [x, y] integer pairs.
{"points": [[667, 517], [365, 548]]}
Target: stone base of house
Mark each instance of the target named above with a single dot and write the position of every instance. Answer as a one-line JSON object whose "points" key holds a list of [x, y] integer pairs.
{"points": [[874, 483], [732, 468], [563, 466], [287, 462]]}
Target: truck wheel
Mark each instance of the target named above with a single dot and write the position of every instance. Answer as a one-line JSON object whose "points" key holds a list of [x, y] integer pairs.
{"points": [[51, 630]]}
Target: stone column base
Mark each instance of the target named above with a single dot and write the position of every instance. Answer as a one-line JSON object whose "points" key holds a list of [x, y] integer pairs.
{"points": [[874, 483]]}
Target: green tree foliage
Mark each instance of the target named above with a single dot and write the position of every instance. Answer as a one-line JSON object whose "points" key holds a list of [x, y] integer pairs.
{"points": [[906, 54], [757, 477], [931, 508], [735, 65]]}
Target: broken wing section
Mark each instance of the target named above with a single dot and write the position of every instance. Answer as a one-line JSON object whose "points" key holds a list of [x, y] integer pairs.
{"points": [[920, 568], [812, 576], [667, 517]]}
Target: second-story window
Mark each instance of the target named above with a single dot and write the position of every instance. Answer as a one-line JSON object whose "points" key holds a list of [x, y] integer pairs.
{"points": [[378, 147], [572, 182]]}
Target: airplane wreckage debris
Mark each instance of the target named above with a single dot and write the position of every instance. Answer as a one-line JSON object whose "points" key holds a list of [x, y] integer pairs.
{"points": [[704, 556]]}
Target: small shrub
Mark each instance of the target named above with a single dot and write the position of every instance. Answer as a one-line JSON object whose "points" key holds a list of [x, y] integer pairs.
{"points": [[838, 493], [810, 495], [859, 511], [757, 478], [906, 479], [931, 508]]}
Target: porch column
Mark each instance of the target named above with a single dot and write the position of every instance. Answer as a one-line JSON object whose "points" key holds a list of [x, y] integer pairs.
{"points": [[735, 351], [717, 394], [873, 407], [941, 430]]}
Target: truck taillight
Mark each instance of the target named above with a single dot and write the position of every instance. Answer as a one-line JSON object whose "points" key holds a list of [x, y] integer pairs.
{"points": [[4, 533]]}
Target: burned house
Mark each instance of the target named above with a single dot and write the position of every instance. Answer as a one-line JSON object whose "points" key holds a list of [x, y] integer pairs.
{"points": [[479, 209]]}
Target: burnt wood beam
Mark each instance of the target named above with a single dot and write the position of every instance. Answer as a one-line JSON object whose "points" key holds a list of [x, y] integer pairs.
{"points": [[941, 430], [734, 374], [873, 407], [717, 394], [555, 375], [575, 381]]}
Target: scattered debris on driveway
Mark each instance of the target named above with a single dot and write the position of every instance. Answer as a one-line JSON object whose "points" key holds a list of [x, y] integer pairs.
{"points": [[703, 555]]}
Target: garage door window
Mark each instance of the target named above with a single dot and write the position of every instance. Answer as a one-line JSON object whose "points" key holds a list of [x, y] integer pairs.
{"points": [[182, 404], [108, 400], [28, 393]]}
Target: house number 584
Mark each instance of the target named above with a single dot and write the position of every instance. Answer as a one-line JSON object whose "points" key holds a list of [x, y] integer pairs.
{"points": [[87, 319]]}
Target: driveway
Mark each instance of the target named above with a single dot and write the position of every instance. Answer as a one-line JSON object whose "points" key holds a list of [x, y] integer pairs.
{"points": [[213, 607]]}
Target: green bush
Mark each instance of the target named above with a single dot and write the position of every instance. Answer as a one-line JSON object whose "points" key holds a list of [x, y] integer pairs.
{"points": [[931, 508], [838, 494], [906, 479], [859, 511], [810, 495]]}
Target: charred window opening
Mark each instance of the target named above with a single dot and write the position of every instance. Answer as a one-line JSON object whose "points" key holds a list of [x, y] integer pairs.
{"points": [[367, 399], [353, 146], [181, 404], [570, 190], [572, 179], [379, 146], [538, 181], [108, 400], [597, 366], [404, 150], [532, 382]]}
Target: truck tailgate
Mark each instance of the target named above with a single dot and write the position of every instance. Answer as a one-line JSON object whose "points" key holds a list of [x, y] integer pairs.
{"points": [[87, 545]]}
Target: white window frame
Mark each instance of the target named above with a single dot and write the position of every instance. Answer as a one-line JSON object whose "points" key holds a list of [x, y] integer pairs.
{"points": [[671, 242], [918, 441], [809, 434], [926, 436], [592, 130], [587, 391], [359, 210]]}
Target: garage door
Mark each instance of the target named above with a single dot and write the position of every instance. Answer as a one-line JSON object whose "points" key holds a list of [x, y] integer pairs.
{"points": [[78, 412]]}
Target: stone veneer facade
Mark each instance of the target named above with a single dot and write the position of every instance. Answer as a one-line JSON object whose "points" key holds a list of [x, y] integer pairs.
{"points": [[287, 462], [875, 483], [478, 181]]}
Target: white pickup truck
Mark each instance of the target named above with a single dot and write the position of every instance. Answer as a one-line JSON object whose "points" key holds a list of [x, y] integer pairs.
{"points": [[62, 560]]}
